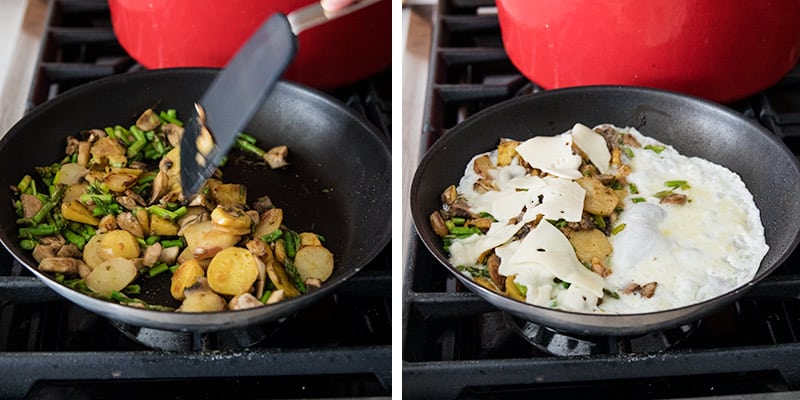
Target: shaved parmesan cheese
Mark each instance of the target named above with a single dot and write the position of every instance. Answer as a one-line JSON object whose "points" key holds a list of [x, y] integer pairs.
{"points": [[547, 247], [560, 198], [467, 251], [552, 155], [594, 145]]}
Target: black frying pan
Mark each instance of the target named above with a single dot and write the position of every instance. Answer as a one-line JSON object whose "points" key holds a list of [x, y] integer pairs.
{"points": [[694, 127], [337, 184]]}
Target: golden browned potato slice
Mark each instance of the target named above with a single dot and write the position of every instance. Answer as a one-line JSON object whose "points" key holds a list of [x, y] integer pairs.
{"points": [[309, 239], [506, 151], [589, 244], [512, 290], [229, 194], [143, 217], [314, 262], [119, 243], [104, 148], [121, 181], [162, 226], [280, 251], [231, 219], [232, 271], [277, 274], [186, 275], [600, 199], [75, 211], [112, 275]]}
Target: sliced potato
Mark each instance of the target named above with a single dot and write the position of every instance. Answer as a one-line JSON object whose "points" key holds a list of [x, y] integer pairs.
{"points": [[74, 192], [119, 243], [143, 217], [105, 148], [314, 262], [600, 199], [277, 274], [231, 219], [591, 243], [162, 226], [232, 271], [185, 276], [506, 151], [112, 275], [280, 251], [91, 251], [202, 301], [75, 211], [71, 173], [309, 239], [203, 241], [512, 290], [229, 194], [122, 180]]}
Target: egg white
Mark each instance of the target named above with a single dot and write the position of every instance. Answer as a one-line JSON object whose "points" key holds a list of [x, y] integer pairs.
{"points": [[702, 249]]}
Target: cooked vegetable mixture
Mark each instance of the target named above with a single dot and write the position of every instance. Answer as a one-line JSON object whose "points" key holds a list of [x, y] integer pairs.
{"points": [[112, 213], [600, 220]]}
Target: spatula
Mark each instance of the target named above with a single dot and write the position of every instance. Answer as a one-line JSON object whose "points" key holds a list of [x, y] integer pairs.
{"points": [[241, 88]]}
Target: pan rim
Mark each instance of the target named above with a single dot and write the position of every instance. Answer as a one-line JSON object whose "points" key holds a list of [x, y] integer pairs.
{"points": [[506, 304], [208, 321]]}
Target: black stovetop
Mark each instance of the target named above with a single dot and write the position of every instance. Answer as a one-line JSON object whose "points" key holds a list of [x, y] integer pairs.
{"points": [[49, 348], [455, 345]]}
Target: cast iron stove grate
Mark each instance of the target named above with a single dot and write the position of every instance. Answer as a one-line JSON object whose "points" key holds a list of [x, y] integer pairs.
{"points": [[458, 346], [50, 348]]}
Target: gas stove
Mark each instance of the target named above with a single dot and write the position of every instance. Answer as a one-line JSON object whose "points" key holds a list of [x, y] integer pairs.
{"points": [[50, 348], [455, 345]]}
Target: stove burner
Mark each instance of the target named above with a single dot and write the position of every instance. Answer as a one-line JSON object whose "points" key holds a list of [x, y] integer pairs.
{"points": [[566, 344], [189, 341]]}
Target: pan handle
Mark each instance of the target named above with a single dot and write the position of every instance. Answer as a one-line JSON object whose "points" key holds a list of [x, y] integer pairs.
{"points": [[313, 14]]}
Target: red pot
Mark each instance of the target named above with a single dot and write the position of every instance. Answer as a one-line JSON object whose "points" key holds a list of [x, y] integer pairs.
{"points": [[718, 49], [206, 33]]}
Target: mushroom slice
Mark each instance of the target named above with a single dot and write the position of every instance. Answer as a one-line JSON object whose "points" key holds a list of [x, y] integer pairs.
{"points": [[174, 133], [276, 296], [160, 186], [30, 205], [244, 301], [127, 221], [64, 265], [69, 250], [276, 157], [152, 254], [148, 121], [169, 255]]}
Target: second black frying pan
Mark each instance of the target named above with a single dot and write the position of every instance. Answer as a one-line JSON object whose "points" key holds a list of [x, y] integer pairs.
{"points": [[337, 184], [694, 127]]}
